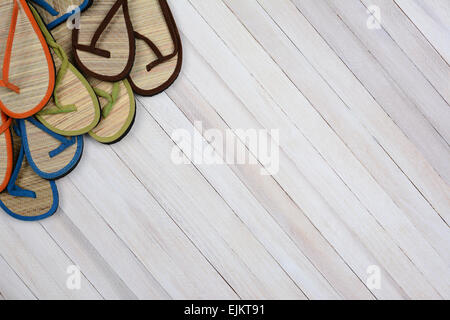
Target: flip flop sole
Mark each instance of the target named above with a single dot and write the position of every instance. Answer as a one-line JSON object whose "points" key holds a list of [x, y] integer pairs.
{"points": [[31, 66], [158, 47], [117, 124], [39, 143], [45, 202], [73, 89], [117, 39]]}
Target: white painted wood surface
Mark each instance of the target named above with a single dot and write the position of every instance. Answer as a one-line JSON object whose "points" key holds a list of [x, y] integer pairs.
{"points": [[364, 179]]}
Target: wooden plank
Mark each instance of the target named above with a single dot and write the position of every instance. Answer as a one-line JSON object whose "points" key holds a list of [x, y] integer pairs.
{"points": [[412, 163], [363, 145], [82, 253], [203, 215], [275, 200], [397, 64], [11, 286], [299, 189], [224, 25], [396, 145], [404, 32], [39, 262], [107, 243], [432, 19], [243, 203], [135, 216], [369, 72]]}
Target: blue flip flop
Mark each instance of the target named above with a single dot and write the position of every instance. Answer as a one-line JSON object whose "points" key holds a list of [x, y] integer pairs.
{"points": [[28, 197], [51, 155]]}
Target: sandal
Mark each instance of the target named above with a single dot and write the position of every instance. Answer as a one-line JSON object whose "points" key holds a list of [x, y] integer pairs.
{"points": [[118, 110], [158, 47], [74, 109], [6, 153], [28, 74], [28, 197], [51, 155], [104, 46]]}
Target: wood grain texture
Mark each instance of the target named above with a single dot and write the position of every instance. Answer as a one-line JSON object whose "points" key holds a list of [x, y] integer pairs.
{"points": [[364, 176]]}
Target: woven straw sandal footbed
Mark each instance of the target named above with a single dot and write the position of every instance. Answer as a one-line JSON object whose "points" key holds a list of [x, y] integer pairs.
{"points": [[72, 89], [6, 153], [117, 124], [104, 48], [27, 61], [28, 197], [51, 156], [158, 47]]}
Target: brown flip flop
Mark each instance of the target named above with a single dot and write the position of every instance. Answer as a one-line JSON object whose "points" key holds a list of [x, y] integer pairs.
{"points": [[158, 47], [104, 46]]}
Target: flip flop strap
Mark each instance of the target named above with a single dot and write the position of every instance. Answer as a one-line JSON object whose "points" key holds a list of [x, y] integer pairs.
{"points": [[12, 188], [5, 126], [7, 59], [101, 28], [46, 6], [112, 98], [61, 73], [160, 58], [65, 142]]}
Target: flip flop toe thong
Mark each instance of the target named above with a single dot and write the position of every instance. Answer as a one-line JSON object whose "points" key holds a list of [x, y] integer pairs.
{"points": [[28, 197], [27, 76]]}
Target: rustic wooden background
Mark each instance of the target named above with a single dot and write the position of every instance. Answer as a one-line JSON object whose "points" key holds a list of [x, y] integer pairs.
{"points": [[364, 119]]}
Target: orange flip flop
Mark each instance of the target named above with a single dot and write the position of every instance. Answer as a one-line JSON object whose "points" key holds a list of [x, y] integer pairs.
{"points": [[28, 73]]}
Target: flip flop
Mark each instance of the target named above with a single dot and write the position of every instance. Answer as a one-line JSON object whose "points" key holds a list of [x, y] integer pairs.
{"points": [[28, 197], [158, 47], [74, 109], [6, 153], [117, 99], [104, 46], [51, 155], [118, 110], [28, 74]]}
